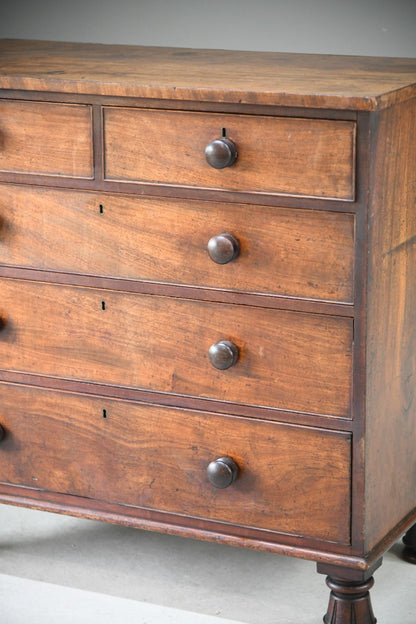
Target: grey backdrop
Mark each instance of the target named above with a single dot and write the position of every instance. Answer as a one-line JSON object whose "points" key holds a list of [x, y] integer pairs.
{"points": [[370, 27]]}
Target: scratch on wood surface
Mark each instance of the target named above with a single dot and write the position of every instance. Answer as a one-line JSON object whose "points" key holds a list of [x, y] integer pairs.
{"points": [[406, 243]]}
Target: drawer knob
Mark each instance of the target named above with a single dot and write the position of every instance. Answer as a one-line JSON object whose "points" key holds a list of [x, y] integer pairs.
{"points": [[223, 248], [221, 153], [222, 472], [223, 354]]}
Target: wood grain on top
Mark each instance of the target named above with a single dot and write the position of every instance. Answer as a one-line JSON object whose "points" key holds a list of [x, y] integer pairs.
{"points": [[267, 78]]}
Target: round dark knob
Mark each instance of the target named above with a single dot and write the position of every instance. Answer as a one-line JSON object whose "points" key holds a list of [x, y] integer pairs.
{"points": [[2, 433], [222, 472], [223, 248], [221, 153], [223, 354]]}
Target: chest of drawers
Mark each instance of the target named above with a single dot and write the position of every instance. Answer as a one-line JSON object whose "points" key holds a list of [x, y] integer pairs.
{"points": [[208, 298]]}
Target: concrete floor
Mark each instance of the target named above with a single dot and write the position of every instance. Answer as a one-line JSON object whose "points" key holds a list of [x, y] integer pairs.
{"points": [[62, 569]]}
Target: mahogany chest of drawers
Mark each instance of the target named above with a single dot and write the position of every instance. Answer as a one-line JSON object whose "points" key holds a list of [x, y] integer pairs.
{"points": [[208, 298]]}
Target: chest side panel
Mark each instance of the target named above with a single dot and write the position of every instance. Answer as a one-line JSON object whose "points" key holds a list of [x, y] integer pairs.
{"points": [[391, 349]]}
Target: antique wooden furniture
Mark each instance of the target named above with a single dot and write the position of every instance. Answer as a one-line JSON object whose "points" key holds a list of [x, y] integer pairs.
{"points": [[208, 297]]}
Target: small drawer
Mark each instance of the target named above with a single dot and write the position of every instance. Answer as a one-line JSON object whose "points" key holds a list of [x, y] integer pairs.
{"points": [[46, 138], [294, 480], [287, 360], [277, 155], [282, 251]]}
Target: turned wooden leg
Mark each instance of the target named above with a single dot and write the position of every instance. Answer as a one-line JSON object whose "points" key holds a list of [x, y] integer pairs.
{"points": [[349, 602], [409, 541]]}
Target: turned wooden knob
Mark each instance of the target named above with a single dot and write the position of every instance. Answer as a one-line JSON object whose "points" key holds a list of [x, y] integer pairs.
{"points": [[222, 472], [2, 433], [223, 248], [223, 354], [221, 153]]}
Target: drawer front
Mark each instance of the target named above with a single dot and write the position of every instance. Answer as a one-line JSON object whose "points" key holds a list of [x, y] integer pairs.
{"points": [[300, 253], [311, 157], [287, 360], [46, 138], [291, 479]]}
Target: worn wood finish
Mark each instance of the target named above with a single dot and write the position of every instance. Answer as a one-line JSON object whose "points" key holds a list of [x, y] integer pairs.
{"points": [[298, 253], [335, 423], [311, 157], [65, 332], [153, 457], [46, 138], [173, 524], [266, 78], [110, 299], [173, 290], [391, 347]]}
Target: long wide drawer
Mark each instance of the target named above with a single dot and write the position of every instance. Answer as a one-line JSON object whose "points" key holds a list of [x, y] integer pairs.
{"points": [[283, 251], [290, 479], [46, 138], [287, 360], [295, 156]]}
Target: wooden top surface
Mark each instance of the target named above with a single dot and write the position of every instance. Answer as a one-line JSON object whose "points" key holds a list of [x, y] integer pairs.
{"points": [[267, 78]]}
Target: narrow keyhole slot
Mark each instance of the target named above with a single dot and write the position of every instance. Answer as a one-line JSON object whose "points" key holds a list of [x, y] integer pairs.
{"points": [[224, 133], [102, 305], [101, 209], [104, 413]]}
